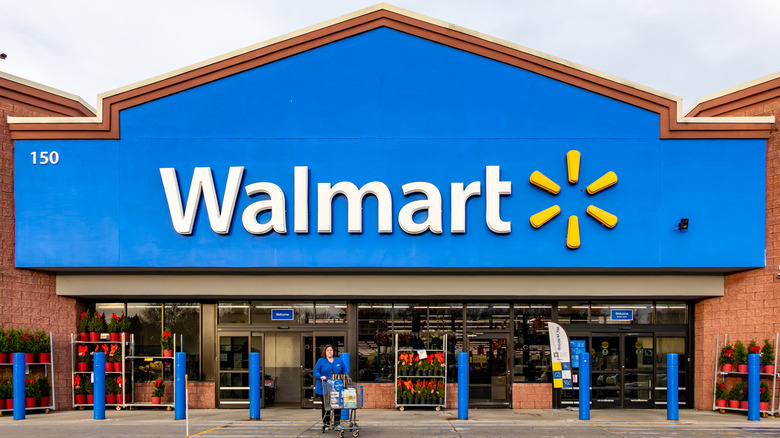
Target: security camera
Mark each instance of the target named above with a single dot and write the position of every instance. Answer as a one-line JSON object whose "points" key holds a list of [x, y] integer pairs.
{"points": [[3, 56]]}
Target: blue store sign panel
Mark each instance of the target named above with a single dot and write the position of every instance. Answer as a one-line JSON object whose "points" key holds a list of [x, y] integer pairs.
{"points": [[281, 314], [622, 315], [386, 150]]}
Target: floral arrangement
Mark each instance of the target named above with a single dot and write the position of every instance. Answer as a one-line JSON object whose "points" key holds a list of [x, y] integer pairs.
{"points": [[765, 394], [31, 389], [96, 323], [84, 354], [405, 361], [112, 387], [158, 388], [767, 353], [167, 339], [753, 348], [738, 392], [83, 325], [113, 324], [42, 339], [78, 388], [740, 354], [720, 392], [726, 355], [114, 354], [6, 388]]}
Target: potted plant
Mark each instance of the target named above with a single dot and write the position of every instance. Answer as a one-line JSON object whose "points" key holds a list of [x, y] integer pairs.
{"points": [[753, 348], [120, 383], [83, 357], [419, 390], [44, 389], [115, 358], [83, 327], [79, 390], [44, 346], [166, 342], [3, 354], [721, 394], [768, 357], [726, 359], [112, 389], [96, 327], [88, 391], [158, 390], [735, 395], [441, 387], [739, 393], [124, 328], [740, 357], [764, 397], [27, 346], [113, 328], [6, 393], [31, 392]]}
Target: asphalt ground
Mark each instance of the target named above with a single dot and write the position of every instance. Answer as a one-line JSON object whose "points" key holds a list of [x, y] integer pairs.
{"points": [[280, 422]]}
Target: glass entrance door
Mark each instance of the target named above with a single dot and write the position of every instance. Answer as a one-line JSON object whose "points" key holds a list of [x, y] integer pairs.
{"points": [[234, 349], [490, 374], [622, 370], [312, 346]]}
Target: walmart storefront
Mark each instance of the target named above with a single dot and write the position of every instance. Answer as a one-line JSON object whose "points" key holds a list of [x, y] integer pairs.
{"points": [[386, 174]]}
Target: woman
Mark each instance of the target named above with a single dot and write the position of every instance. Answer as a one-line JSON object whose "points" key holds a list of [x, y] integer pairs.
{"points": [[327, 365]]}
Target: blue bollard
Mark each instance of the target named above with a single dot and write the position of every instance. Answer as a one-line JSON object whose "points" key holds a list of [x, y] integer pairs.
{"points": [[672, 387], [345, 358], [99, 386], [179, 390], [584, 386], [463, 386], [19, 386], [255, 386], [754, 387]]}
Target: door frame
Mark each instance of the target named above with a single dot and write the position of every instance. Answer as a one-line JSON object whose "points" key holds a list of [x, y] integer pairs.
{"points": [[239, 403], [310, 403], [493, 335]]}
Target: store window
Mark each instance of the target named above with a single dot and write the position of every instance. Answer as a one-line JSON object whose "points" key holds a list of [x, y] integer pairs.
{"points": [[375, 342], [233, 312], [330, 313], [108, 309], [532, 346], [619, 313], [573, 312], [671, 313], [487, 316], [410, 318], [447, 319], [183, 319], [146, 327], [302, 311]]}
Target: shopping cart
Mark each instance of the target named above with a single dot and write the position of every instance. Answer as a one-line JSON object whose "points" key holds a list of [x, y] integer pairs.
{"points": [[339, 392]]}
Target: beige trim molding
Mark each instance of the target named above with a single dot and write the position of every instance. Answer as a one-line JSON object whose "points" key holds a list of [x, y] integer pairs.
{"points": [[383, 286]]}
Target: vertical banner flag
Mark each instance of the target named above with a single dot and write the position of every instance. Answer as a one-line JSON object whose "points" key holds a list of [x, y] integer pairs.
{"points": [[561, 362]]}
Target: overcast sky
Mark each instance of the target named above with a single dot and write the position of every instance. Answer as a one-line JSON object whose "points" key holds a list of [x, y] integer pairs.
{"points": [[686, 48]]}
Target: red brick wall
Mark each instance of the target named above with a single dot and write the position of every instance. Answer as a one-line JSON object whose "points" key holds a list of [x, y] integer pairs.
{"points": [[532, 396], [200, 395], [27, 298], [750, 308]]}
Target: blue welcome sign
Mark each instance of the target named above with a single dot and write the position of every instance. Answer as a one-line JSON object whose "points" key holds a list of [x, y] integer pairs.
{"points": [[281, 314], [622, 315]]}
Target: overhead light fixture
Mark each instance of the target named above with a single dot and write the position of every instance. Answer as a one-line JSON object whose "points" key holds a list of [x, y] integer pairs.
{"points": [[683, 225]]}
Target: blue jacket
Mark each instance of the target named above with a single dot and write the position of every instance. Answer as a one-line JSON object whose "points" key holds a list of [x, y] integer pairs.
{"points": [[325, 368]]}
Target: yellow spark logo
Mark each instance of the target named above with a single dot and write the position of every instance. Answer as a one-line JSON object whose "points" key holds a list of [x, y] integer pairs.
{"points": [[605, 218]]}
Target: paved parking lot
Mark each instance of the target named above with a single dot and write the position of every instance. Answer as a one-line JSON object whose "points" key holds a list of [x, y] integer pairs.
{"points": [[390, 423]]}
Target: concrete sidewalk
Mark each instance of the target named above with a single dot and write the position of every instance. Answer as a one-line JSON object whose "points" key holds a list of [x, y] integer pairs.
{"points": [[376, 422]]}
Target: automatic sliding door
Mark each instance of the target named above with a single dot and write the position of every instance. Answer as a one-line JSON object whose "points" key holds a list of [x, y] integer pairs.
{"points": [[638, 370], [606, 376]]}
